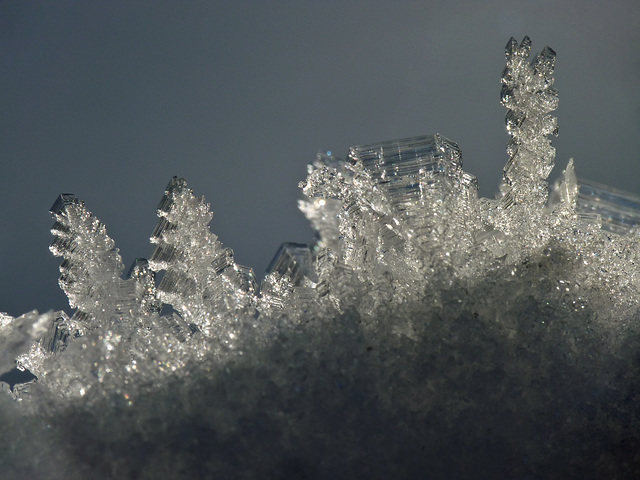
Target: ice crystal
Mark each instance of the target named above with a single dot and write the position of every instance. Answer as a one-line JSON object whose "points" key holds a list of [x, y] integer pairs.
{"points": [[201, 280], [424, 332]]}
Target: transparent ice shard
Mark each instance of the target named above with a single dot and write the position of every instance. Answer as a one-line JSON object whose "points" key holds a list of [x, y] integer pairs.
{"points": [[56, 338], [408, 158], [292, 269], [566, 189], [293, 260], [411, 170], [619, 211], [424, 198]]}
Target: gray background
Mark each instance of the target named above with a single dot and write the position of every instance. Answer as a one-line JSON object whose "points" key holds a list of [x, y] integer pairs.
{"points": [[110, 99]]}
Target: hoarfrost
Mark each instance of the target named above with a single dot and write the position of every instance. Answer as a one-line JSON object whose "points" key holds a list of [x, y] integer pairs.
{"points": [[424, 332]]}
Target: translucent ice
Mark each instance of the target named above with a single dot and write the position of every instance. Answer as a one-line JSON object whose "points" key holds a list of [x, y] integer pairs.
{"points": [[528, 94], [424, 332], [619, 211], [17, 335]]}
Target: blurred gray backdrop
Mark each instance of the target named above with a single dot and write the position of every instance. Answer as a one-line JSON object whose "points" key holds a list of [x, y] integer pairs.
{"points": [[109, 99]]}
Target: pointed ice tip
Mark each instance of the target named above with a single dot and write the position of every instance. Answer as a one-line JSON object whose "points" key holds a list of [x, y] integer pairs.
{"points": [[512, 46], [176, 184], [545, 62], [548, 51], [62, 201], [525, 45], [569, 189], [138, 265]]}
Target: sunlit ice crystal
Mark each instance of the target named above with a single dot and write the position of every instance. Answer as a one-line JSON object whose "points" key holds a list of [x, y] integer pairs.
{"points": [[200, 276], [416, 175], [291, 276], [529, 96], [91, 268], [619, 211], [424, 331]]}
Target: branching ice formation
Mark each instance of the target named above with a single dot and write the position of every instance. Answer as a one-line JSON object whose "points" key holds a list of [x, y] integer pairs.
{"points": [[201, 280], [528, 94], [424, 330]]}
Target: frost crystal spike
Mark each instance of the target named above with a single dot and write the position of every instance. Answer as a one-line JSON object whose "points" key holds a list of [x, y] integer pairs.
{"points": [[91, 269], [529, 96], [201, 280]]}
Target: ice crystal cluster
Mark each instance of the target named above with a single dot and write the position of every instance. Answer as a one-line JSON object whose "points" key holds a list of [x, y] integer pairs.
{"points": [[424, 333]]}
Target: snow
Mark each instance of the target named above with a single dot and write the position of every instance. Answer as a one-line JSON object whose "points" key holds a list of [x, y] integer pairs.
{"points": [[425, 332]]}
